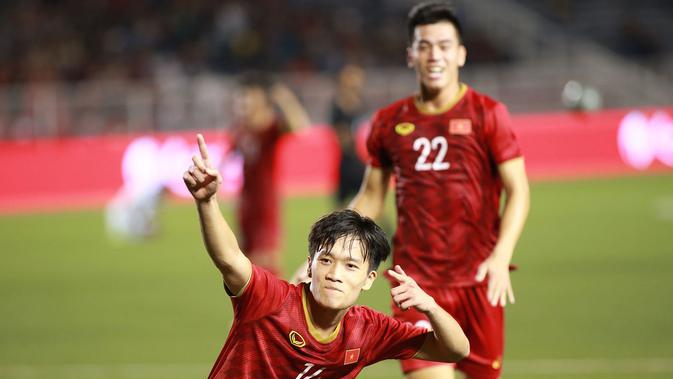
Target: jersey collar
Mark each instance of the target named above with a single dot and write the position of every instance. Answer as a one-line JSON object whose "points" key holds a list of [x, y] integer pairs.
{"points": [[312, 329], [423, 109]]}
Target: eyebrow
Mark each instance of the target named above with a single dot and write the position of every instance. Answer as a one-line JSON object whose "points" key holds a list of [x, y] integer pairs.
{"points": [[349, 259], [440, 42]]}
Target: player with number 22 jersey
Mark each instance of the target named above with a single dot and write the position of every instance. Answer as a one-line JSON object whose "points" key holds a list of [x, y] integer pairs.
{"points": [[447, 184]]}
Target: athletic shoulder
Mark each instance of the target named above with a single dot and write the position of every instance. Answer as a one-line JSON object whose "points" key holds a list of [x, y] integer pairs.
{"points": [[483, 101], [367, 314], [393, 110]]}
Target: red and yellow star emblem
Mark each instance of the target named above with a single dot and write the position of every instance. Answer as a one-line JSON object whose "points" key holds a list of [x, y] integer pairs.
{"points": [[352, 356]]}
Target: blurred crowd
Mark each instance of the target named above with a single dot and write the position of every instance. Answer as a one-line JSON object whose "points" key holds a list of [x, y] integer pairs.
{"points": [[85, 67], [101, 39], [636, 29]]}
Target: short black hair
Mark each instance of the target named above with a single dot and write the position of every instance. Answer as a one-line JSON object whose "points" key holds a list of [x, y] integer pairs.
{"points": [[348, 223], [256, 79], [431, 12]]}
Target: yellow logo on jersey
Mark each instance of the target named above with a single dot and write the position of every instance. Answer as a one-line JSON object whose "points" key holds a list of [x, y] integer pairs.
{"points": [[296, 339], [405, 128]]}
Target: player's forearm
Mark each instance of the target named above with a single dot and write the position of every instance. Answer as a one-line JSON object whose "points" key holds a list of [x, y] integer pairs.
{"points": [[293, 112], [513, 221], [370, 199], [367, 205], [451, 343], [218, 238]]}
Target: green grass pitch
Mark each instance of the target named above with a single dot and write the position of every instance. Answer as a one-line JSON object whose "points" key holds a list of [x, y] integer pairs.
{"points": [[594, 290]]}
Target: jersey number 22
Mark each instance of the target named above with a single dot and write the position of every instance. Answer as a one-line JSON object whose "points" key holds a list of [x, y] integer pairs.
{"points": [[426, 146]]}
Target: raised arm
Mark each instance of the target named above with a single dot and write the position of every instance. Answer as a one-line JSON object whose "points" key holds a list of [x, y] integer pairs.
{"points": [[292, 111], [203, 182], [517, 203], [370, 199], [447, 343]]}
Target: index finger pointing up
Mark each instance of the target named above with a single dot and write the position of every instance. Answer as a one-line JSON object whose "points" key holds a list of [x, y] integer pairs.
{"points": [[397, 276], [203, 149]]}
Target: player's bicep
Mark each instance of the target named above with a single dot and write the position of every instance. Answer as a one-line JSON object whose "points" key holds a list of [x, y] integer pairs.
{"points": [[432, 350], [237, 274], [429, 349], [513, 175]]}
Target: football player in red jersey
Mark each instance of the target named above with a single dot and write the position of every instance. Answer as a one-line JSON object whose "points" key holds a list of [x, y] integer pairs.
{"points": [[265, 111], [452, 152], [314, 330]]}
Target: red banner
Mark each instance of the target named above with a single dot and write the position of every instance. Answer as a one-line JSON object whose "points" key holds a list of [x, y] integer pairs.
{"points": [[561, 145], [75, 172]]}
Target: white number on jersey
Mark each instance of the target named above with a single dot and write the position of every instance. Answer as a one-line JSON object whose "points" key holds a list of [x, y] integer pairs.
{"points": [[426, 146], [306, 371]]}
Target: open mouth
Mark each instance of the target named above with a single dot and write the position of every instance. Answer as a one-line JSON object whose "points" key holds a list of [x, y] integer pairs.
{"points": [[435, 72]]}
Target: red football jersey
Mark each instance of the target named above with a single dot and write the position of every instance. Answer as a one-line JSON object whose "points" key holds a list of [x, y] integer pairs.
{"points": [[447, 186], [270, 336], [260, 199]]}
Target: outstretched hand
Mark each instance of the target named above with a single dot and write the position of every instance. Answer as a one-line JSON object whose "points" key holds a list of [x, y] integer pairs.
{"points": [[499, 283], [202, 179], [408, 294]]}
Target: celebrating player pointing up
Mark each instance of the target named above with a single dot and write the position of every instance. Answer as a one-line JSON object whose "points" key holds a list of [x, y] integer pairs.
{"points": [[314, 330]]}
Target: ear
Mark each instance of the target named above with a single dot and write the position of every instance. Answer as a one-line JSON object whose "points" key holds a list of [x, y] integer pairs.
{"points": [[410, 59], [308, 267], [370, 280], [462, 55]]}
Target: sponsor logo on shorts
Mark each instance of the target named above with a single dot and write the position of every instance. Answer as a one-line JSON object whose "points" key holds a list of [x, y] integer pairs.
{"points": [[496, 364]]}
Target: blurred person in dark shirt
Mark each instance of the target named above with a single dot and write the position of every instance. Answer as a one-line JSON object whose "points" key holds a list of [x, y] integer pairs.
{"points": [[346, 110]]}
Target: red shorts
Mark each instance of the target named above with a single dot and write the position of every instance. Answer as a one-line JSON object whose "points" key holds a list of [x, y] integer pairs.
{"points": [[482, 323]]}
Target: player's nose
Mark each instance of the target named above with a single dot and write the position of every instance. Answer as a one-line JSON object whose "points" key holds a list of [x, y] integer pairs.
{"points": [[334, 273], [434, 52]]}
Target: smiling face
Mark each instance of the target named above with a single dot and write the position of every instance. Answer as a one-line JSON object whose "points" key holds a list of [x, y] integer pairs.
{"points": [[249, 103], [436, 54], [338, 276]]}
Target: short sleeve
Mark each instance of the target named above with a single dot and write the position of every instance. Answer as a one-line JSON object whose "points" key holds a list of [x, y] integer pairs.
{"points": [[377, 155], [263, 295], [500, 137], [394, 339]]}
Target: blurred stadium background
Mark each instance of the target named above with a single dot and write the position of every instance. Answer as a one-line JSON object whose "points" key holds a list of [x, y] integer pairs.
{"points": [[590, 84]]}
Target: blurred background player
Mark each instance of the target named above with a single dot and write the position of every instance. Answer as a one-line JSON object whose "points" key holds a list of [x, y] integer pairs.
{"points": [[264, 111], [347, 109], [133, 215], [452, 151]]}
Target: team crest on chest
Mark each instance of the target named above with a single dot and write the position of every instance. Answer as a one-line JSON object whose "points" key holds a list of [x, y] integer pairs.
{"points": [[352, 356], [404, 128], [296, 339], [460, 126]]}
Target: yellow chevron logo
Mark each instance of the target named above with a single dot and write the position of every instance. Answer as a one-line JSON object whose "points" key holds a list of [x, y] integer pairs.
{"points": [[405, 128], [296, 339]]}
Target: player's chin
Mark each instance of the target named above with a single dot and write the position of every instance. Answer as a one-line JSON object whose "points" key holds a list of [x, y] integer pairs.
{"points": [[335, 302], [434, 84]]}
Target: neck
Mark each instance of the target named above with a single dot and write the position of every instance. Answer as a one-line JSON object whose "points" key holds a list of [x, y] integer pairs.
{"points": [[324, 320], [438, 99]]}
